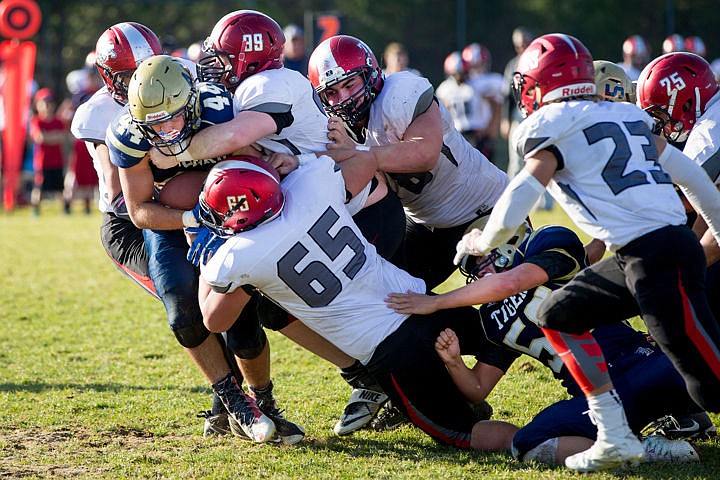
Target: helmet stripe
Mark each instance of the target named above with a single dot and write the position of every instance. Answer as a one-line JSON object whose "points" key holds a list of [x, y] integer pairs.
{"points": [[139, 45], [570, 43], [232, 164]]}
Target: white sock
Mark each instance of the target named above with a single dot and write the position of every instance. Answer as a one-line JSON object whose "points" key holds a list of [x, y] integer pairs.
{"points": [[607, 412]]}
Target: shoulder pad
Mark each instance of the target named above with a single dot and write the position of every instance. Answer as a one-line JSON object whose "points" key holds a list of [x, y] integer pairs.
{"points": [[126, 143]]}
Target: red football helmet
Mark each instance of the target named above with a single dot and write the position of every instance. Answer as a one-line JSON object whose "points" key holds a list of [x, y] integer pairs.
{"points": [[119, 50], [673, 43], [477, 56], [455, 64], [695, 45], [242, 43], [240, 193], [674, 88], [552, 67], [337, 59]]}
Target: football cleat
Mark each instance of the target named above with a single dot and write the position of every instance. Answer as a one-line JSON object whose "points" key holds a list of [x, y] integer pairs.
{"points": [[286, 432], [361, 408], [215, 424], [661, 449], [694, 426], [608, 453], [389, 419], [244, 416]]}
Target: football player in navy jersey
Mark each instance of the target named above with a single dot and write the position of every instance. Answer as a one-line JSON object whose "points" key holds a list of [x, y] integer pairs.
{"points": [[165, 108], [614, 178], [511, 283]]}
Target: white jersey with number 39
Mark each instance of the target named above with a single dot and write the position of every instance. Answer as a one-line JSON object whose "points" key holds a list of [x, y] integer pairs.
{"points": [[314, 261], [608, 179]]}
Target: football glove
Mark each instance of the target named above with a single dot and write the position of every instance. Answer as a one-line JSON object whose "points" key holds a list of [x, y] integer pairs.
{"points": [[203, 246]]}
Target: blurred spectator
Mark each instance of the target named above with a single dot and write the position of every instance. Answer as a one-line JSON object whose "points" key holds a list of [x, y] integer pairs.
{"points": [[489, 89], [81, 180], [673, 43], [296, 57], [521, 38], [194, 52], [396, 59], [715, 66], [636, 54], [48, 134], [695, 44]]}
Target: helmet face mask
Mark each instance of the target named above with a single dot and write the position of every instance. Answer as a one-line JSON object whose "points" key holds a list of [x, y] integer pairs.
{"points": [[119, 50], [164, 103], [501, 258], [239, 194], [338, 59], [241, 44], [675, 89]]}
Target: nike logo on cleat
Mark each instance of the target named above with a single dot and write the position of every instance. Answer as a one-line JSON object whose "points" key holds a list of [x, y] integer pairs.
{"points": [[370, 396]]}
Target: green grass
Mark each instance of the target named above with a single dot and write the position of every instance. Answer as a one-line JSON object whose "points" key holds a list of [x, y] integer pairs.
{"points": [[94, 385]]}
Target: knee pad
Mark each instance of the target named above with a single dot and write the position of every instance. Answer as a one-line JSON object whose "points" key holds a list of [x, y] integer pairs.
{"points": [[270, 314], [246, 338], [191, 336]]}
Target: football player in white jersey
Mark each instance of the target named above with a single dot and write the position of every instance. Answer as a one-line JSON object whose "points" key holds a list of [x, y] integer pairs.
{"points": [[277, 110], [297, 243], [444, 183], [603, 165], [696, 125], [119, 50]]}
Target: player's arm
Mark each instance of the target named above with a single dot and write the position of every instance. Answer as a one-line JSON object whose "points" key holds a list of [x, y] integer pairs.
{"points": [[694, 182], [490, 288], [109, 171], [224, 138], [138, 187], [418, 151], [516, 201], [220, 310], [475, 384]]}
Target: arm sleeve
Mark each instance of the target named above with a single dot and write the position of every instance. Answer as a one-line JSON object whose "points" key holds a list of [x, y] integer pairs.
{"points": [[510, 210], [696, 185]]}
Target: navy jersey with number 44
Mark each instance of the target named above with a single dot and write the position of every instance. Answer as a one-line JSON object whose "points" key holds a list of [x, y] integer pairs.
{"points": [[128, 146]]}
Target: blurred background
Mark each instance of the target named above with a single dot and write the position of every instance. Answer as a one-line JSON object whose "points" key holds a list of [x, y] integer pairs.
{"points": [[429, 29]]}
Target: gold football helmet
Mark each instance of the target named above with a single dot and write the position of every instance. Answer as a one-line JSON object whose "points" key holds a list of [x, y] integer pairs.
{"points": [[612, 82], [162, 90]]}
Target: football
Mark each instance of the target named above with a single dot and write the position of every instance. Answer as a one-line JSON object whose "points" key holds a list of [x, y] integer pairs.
{"points": [[182, 191]]}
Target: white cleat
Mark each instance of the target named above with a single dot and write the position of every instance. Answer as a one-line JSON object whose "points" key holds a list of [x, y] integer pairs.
{"points": [[661, 449], [361, 408], [623, 451]]}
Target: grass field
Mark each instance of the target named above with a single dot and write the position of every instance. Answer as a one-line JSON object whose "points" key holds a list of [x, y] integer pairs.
{"points": [[94, 385]]}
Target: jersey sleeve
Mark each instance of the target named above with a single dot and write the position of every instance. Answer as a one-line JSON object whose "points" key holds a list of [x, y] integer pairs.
{"points": [[215, 103], [407, 97], [555, 249], [126, 143]]}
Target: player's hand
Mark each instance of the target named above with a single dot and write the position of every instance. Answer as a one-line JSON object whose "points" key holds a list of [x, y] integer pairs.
{"points": [[203, 246], [447, 346], [283, 162], [338, 135], [162, 161], [411, 302], [191, 218], [468, 245]]}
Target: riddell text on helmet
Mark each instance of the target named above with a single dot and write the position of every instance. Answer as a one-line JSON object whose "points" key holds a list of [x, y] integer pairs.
{"points": [[580, 90]]}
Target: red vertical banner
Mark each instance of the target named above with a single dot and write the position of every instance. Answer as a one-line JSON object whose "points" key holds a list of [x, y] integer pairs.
{"points": [[18, 65], [19, 20]]}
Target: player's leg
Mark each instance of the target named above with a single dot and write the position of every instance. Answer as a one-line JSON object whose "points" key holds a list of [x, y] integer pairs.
{"points": [[570, 309], [666, 272], [176, 282], [248, 343]]}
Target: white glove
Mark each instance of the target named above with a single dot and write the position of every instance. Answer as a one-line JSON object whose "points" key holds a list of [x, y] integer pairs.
{"points": [[470, 245]]}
